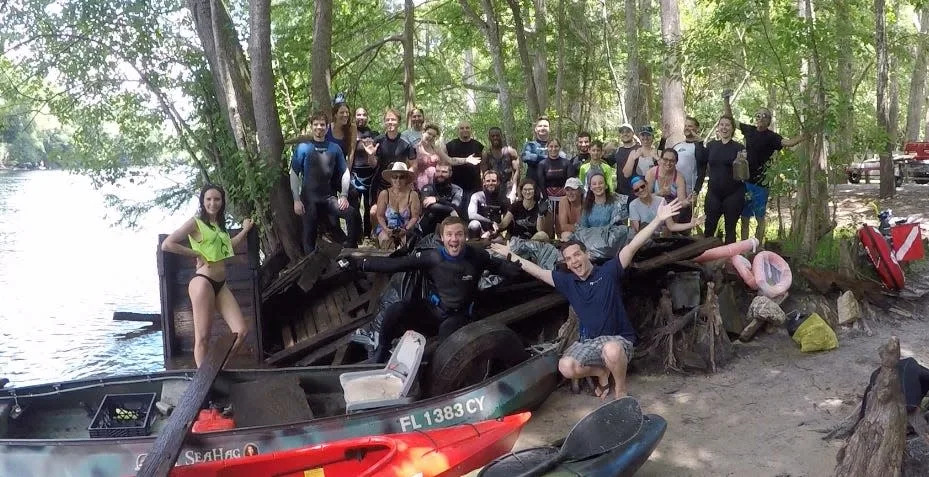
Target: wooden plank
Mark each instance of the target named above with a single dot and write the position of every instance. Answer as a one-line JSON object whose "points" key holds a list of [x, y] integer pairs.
{"points": [[528, 309], [339, 357], [133, 316], [312, 271], [326, 350], [302, 347], [299, 329], [338, 299], [683, 253], [287, 336], [167, 446], [333, 308]]}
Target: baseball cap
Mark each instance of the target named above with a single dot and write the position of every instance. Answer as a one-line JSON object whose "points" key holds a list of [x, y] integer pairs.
{"points": [[626, 128], [646, 130], [635, 180], [572, 183]]}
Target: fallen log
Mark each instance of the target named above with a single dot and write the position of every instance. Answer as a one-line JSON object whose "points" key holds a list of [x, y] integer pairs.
{"points": [[153, 318], [876, 446], [825, 281], [684, 253]]}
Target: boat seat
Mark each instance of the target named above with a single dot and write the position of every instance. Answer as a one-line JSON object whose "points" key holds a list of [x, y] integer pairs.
{"points": [[389, 386]]}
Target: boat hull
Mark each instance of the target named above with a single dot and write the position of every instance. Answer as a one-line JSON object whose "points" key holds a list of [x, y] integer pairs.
{"points": [[520, 388], [623, 461], [451, 451]]}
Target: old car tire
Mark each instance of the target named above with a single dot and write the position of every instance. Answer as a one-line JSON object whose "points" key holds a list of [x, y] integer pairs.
{"points": [[854, 178], [922, 181], [466, 357]]}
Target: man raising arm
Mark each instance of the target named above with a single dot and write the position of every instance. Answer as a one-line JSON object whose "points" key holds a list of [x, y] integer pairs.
{"points": [[607, 337]]}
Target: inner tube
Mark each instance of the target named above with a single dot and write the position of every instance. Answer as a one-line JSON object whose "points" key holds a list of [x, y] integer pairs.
{"points": [[744, 268], [727, 251], [772, 274]]}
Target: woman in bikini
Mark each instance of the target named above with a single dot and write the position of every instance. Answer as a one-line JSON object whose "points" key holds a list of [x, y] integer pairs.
{"points": [[210, 244], [398, 208]]}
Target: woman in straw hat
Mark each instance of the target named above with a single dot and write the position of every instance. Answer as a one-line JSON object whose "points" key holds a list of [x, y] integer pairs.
{"points": [[398, 207]]}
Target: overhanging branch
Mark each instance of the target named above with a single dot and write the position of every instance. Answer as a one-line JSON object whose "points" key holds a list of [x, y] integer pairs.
{"points": [[398, 37]]}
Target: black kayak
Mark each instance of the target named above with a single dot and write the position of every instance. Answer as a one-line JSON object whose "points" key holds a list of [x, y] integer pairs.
{"points": [[621, 461]]}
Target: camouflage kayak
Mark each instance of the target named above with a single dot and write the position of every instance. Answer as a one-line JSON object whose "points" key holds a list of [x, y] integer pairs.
{"points": [[44, 428]]}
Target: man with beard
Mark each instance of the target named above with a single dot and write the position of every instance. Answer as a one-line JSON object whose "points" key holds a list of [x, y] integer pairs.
{"points": [[690, 153], [361, 122], [441, 198], [503, 159], [535, 151], [627, 144], [414, 134], [583, 153], [760, 144], [364, 177], [467, 176], [487, 208], [316, 166], [451, 274]]}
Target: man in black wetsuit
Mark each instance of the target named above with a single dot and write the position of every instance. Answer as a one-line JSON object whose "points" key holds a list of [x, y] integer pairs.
{"points": [[583, 153], [627, 144], [451, 274], [364, 178], [487, 208], [441, 199], [503, 159], [317, 171]]}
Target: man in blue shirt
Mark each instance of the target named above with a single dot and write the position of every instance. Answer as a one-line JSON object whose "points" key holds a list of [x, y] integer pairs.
{"points": [[606, 335], [317, 171]]}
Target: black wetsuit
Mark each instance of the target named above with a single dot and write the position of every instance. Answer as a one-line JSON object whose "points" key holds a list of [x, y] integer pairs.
{"points": [[390, 151], [726, 196], [448, 199], [364, 182], [450, 286]]}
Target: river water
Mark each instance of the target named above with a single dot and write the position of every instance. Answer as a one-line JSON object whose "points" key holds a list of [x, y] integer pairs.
{"points": [[64, 269]]}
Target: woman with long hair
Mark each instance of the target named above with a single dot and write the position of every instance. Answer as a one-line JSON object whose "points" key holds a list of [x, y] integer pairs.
{"points": [[601, 206], [210, 245], [342, 131]]}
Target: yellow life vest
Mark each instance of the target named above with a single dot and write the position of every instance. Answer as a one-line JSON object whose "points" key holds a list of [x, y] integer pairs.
{"points": [[214, 245]]}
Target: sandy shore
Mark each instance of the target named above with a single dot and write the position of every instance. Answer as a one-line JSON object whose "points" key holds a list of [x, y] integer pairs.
{"points": [[762, 415]]}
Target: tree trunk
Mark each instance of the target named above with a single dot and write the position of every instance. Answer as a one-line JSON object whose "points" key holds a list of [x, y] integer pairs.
{"points": [[917, 98], [409, 89], [285, 228], [490, 27], [468, 77], [321, 57], [883, 101], [634, 103], [811, 219], [540, 68], [646, 14], [672, 86], [846, 107], [607, 40], [233, 90], [522, 46], [562, 27], [876, 446]]}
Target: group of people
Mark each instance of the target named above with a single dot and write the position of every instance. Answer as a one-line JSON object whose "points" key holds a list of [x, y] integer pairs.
{"points": [[394, 185]]}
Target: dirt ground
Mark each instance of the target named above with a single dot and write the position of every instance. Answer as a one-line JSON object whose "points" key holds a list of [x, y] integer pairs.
{"points": [[765, 413]]}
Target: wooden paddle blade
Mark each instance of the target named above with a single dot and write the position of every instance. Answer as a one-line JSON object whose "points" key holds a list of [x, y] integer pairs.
{"points": [[167, 446], [605, 428]]}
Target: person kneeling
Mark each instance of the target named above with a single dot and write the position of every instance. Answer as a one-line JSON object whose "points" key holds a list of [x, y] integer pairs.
{"points": [[607, 337], [451, 274]]}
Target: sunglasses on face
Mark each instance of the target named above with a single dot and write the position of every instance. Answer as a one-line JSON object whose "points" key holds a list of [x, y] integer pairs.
{"points": [[638, 189], [762, 116]]}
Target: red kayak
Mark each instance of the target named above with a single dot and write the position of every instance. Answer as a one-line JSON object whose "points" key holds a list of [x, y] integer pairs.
{"points": [[448, 452]]}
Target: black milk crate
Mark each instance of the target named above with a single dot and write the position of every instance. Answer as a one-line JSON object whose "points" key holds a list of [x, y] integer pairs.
{"points": [[107, 424]]}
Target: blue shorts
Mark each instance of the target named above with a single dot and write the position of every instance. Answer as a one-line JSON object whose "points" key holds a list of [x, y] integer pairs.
{"points": [[756, 201]]}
